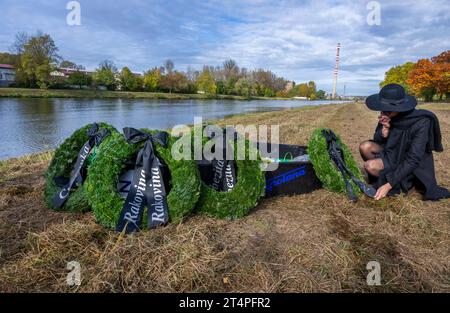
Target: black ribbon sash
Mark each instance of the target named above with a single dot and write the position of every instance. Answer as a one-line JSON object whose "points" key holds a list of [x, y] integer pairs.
{"points": [[76, 179], [147, 188], [224, 172], [337, 155]]}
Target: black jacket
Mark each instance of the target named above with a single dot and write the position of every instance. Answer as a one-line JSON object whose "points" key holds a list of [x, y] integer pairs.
{"points": [[407, 153]]}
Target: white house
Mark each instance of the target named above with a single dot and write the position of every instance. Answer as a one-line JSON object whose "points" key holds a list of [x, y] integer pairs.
{"points": [[7, 75], [65, 72], [300, 98]]}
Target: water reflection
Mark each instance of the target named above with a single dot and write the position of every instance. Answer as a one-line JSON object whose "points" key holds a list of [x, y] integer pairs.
{"points": [[34, 125]]}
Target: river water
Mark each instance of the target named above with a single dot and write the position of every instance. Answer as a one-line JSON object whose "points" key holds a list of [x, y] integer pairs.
{"points": [[36, 125]]}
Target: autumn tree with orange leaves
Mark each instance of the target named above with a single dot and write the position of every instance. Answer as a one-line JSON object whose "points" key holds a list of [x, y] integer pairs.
{"points": [[422, 78], [431, 77], [442, 64], [425, 79]]}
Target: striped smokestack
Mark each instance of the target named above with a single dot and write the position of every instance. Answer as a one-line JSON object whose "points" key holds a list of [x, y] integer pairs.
{"points": [[336, 71]]}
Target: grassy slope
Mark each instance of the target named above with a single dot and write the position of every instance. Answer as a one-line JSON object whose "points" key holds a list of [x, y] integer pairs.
{"points": [[313, 242], [67, 93]]}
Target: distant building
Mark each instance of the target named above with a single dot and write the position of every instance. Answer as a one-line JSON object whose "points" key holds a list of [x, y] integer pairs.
{"points": [[288, 87], [7, 75], [300, 98], [65, 72]]}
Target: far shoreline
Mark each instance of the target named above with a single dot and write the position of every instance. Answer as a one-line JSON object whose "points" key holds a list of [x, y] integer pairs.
{"points": [[8, 92]]}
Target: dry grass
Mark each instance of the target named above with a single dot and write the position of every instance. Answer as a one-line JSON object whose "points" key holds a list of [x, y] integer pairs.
{"points": [[314, 242]]}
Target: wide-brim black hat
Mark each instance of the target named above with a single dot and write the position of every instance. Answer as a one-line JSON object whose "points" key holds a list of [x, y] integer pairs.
{"points": [[391, 98]]}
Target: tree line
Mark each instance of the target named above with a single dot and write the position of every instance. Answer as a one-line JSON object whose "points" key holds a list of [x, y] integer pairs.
{"points": [[427, 79], [36, 57]]}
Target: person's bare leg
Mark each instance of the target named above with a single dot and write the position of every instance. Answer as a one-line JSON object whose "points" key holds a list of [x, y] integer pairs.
{"points": [[374, 166], [369, 150]]}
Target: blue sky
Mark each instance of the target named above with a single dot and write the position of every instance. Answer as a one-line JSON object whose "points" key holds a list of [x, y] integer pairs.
{"points": [[295, 39]]}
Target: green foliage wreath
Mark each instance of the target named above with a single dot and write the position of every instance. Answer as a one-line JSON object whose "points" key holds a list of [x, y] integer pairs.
{"points": [[62, 164], [325, 168], [110, 162], [244, 196]]}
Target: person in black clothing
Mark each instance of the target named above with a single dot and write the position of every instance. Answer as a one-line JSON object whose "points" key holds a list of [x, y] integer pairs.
{"points": [[400, 155]]}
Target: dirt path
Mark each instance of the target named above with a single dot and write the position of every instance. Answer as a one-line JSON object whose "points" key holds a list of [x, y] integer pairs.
{"points": [[314, 242]]}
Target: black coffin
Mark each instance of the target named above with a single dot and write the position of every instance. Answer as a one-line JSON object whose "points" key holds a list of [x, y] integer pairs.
{"points": [[290, 178], [293, 177]]}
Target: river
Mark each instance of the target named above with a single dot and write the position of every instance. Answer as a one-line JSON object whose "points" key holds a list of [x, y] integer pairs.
{"points": [[30, 125]]}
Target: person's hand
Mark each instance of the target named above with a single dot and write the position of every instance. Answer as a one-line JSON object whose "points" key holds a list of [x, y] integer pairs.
{"points": [[382, 191], [385, 121], [384, 131]]}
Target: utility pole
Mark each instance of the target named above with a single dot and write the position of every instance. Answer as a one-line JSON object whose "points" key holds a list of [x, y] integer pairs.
{"points": [[336, 70]]}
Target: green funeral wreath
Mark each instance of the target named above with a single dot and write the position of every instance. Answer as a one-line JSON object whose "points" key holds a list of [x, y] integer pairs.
{"points": [[325, 168], [110, 162], [236, 203], [62, 164]]}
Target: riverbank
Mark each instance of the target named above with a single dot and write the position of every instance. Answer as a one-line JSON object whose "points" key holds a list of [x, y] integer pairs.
{"points": [[314, 242], [106, 94]]}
